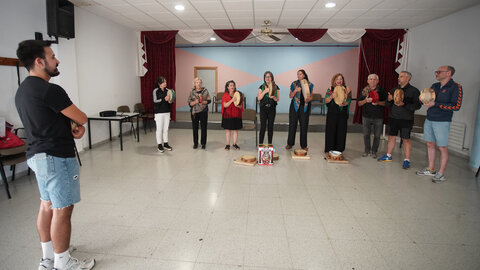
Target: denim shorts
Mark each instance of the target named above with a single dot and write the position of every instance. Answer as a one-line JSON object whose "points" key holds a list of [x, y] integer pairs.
{"points": [[436, 132], [58, 179]]}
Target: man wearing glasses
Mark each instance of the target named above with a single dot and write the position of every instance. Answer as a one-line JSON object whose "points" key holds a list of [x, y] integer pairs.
{"points": [[439, 116]]}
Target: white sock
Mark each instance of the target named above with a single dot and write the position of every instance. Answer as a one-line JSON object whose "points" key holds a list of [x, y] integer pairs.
{"points": [[407, 159], [47, 250], [389, 155], [61, 260]]}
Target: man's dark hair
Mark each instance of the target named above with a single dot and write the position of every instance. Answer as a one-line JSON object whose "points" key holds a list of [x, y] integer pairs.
{"points": [[451, 69], [29, 50]]}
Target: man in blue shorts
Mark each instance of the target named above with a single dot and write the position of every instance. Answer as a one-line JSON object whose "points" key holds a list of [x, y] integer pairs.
{"points": [[51, 122], [439, 116]]}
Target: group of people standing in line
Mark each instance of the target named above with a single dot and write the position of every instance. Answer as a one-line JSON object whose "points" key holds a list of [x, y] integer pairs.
{"points": [[373, 99], [52, 122], [448, 98]]}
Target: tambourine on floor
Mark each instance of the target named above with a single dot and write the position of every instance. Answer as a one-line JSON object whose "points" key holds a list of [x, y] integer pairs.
{"points": [[247, 160], [331, 159], [300, 154]]}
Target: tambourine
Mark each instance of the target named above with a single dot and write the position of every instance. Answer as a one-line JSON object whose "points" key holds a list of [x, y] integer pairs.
{"points": [[171, 95], [272, 91], [374, 96], [237, 98], [398, 96], [335, 155], [300, 152], [305, 88], [427, 95], [248, 158], [340, 93]]}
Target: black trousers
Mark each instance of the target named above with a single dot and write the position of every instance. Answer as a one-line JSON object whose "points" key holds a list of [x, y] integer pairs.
{"points": [[267, 118], [293, 118], [336, 131], [202, 118]]}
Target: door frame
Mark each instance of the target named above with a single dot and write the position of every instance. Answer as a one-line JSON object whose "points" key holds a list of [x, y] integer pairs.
{"points": [[216, 75]]}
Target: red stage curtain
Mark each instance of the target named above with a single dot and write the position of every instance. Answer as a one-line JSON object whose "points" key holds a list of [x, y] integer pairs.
{"points": [[378, 49], [160, 50], [308, 35], [233, 35]]}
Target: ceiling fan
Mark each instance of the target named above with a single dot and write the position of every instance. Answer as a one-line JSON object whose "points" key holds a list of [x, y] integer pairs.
{"points": [[268, 32]]}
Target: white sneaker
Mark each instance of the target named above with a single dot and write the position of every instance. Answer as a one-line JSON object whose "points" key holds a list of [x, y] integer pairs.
{"points": [[426, 171], [439, 178], [75, 264], [45, 264]]}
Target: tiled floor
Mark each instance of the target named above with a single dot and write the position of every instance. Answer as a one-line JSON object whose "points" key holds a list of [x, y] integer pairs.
{"points": [[194, 209]]}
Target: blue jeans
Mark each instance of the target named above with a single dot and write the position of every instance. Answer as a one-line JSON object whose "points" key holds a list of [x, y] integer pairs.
{"points": [[377, 124], [58, 179]]}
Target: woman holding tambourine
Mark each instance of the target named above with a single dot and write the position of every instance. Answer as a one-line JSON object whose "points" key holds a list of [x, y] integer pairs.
{"points": [[198, 100], [232, 108], [162, 99], [337, 98], [301, 95], [268, 96]]}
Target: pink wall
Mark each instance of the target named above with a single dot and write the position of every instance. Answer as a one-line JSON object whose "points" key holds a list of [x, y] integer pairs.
{"points": [[185, 63]]}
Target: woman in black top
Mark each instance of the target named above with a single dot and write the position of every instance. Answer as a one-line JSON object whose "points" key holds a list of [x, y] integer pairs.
{"points": [[268, 96], [161, 108]]}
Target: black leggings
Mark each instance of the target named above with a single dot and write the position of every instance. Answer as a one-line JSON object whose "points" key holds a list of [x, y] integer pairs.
{"points": [[267, 115]]}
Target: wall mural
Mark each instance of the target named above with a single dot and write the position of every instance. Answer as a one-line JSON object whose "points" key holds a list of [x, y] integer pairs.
{"points": [[246, 65]]}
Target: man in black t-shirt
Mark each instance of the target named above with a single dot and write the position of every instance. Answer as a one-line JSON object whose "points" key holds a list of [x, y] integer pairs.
{"points": [[404, 101], [51, 123], [372, 99]]}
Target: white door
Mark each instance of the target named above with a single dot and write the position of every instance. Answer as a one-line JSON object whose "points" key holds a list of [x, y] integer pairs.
{"points": [[209, 78]]}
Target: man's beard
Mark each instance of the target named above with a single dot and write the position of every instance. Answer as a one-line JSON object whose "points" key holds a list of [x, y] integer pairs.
{"points": [[51, 73]]}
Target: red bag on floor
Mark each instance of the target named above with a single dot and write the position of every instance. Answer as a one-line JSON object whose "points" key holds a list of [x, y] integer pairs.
{"points": [[10, 140]]}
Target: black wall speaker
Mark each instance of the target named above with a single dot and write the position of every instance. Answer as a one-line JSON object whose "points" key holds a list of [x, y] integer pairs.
{"points": [[38, 36], [60, 19]]}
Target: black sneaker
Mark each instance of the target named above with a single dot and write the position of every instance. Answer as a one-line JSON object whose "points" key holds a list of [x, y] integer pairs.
{"points": [[227, 147], [168, 147], [160, 148], [236, 147], [203, 146], [195, 146]]}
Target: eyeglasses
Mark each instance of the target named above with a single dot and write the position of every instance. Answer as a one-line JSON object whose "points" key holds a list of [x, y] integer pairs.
{"points": [[440, 71]]}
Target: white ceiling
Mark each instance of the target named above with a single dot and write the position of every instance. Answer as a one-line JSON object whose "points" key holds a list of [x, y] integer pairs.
{"points": [[236, 14]]}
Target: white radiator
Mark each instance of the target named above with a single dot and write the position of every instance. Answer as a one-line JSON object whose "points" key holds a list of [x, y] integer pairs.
{"points": [[456, 137]]}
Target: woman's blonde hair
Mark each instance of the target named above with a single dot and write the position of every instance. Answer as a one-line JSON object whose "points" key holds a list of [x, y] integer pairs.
{"points": [[196, 79]]}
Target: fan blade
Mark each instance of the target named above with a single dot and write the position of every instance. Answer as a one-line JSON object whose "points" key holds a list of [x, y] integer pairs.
{"points": [[274, 37]]}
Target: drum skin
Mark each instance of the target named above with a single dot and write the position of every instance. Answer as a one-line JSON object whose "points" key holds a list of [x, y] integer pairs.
{"points": [[340, 93]]}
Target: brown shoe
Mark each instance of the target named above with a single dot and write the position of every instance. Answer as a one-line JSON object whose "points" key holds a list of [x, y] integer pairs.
{"points": [[305, 148], [288, 147]]}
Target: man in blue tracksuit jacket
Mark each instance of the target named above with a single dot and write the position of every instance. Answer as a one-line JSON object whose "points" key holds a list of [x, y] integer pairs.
{"points": [[439, 116]]}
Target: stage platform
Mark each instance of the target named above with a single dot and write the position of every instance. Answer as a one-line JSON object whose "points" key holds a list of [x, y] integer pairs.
{"points": [[316, 122]]}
